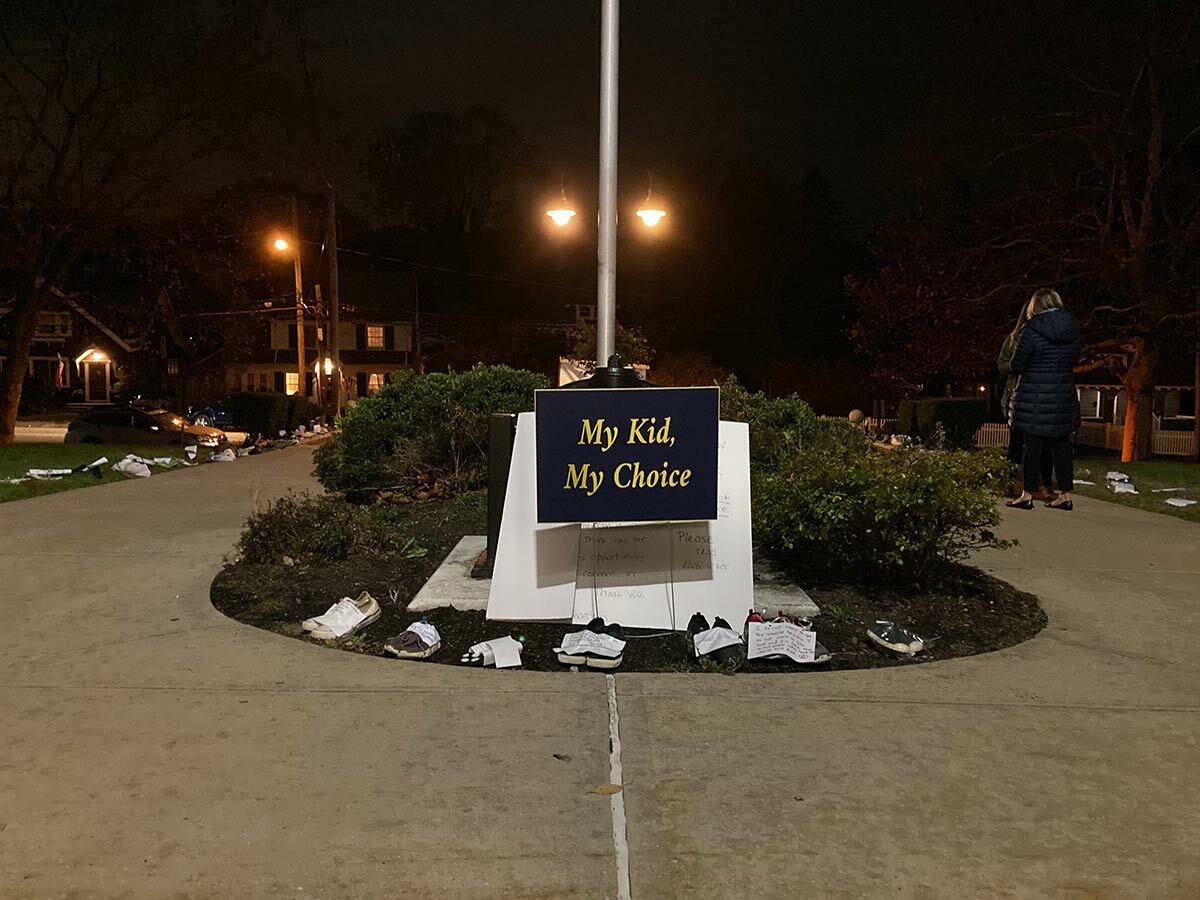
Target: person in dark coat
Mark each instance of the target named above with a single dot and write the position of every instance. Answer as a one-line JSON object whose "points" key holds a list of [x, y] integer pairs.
{"points": [[1016, 440], [1045, 403]]}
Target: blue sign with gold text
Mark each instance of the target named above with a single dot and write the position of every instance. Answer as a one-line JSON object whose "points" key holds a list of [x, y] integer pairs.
{"points": [[627, 454]]}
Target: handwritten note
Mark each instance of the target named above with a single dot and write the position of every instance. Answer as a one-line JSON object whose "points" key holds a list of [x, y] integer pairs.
{"points": [[781, 639]]}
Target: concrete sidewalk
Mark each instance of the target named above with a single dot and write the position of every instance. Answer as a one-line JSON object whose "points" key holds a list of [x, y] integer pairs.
{"points": [[154, 748]]}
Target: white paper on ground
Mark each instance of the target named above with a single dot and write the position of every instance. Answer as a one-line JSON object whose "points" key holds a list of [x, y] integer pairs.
{"points": [[132, 465], [341, 617], [46, 474], [1081, 481], [226, 455], [715, 639], [781, 638], [1123, 487], [190, 451], [1180, 502], [1116, 476], [425, 632], [1166, 490], [13, 480], [578, 643], [507, 651]]}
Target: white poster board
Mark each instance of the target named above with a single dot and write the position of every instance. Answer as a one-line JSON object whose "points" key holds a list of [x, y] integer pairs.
{"points": [[534, 575], [645, 575], [656, 575]]}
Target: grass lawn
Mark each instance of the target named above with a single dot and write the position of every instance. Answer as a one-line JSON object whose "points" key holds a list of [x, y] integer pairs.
{"points": [[1145, 477], [15, 459]]}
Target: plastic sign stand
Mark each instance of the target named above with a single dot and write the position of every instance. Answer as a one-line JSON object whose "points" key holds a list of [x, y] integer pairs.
{"points": [[644, 575]]}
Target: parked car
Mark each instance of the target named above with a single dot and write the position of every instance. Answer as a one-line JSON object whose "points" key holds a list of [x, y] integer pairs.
{"points": [[134, 425], [214, 416]]}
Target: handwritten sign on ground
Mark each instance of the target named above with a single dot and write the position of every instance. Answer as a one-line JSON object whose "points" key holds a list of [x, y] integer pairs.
{"points": [[626, 454], [781, 639]]}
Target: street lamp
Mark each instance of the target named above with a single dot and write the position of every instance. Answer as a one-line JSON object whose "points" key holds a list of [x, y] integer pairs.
{"points": [[648, 212], [281, 244], [562, 214]]}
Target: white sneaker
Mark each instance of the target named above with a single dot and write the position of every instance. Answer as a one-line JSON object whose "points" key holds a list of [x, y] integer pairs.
{"points": [[344, 617]]}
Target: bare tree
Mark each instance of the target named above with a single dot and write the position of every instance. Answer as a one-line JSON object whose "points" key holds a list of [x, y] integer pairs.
{"points": [[106, 109]]}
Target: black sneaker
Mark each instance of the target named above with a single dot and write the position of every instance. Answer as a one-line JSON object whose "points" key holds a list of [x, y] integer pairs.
{"points": [[607, 663], [596, 625], [725, 654], [696, 625]]}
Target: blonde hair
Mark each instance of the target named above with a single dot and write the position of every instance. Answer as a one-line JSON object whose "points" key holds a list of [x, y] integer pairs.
{"points": [[1042, 301]]}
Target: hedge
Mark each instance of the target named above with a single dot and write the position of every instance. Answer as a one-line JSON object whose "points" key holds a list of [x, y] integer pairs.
{"points": [[422, 429], [269, 412]]}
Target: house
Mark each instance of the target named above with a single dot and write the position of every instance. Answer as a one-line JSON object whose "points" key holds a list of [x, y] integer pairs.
{"points": [[79, 358], [370, 350]]}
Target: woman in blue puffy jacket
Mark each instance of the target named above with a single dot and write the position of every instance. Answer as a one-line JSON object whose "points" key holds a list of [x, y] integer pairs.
{"points": [[1045, 403]]}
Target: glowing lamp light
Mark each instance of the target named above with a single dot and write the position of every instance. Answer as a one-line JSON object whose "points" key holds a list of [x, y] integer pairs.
{"points": [[651, 216], [281, 244], [328, 366], [560, 217], [97, 356]]}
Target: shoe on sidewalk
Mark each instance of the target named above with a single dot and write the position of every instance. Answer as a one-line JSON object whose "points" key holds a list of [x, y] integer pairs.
{"points": [[720, 644]]}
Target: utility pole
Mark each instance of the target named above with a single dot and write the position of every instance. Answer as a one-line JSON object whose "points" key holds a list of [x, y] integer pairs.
{"points": [[418, 362], [299, 299], [335, 380], [606, 250], [1196, 386]]}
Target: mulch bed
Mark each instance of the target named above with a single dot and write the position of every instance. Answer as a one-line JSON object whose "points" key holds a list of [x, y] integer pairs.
{"points": [[968, 611]]}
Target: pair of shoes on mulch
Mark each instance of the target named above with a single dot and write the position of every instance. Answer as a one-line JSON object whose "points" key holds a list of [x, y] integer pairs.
{"points": [[598, 646], [821, 654], [419, 641], [718, 643], [344, 618]]}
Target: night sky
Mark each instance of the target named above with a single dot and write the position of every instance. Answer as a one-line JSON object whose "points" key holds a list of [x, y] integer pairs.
{"points": [[791, 84]]}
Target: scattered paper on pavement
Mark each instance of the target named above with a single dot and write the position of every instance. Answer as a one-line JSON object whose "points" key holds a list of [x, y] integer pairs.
{"points": [[1180, 502]]}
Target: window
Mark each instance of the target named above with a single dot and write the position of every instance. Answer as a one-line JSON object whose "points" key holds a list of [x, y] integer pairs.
{"points": [[262, 381], [1089, 403], [292, 383], [172, 367], [375, 381], [374, 337]]}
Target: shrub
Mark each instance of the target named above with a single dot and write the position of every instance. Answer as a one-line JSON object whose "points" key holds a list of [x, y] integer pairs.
{"points": [[259, 412], [321, 528], [423, 428], [959, 417], [782, 427], [878, 514], [300, 411]]}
